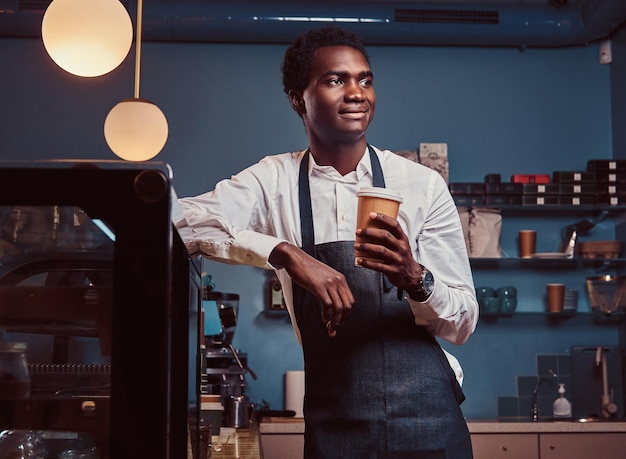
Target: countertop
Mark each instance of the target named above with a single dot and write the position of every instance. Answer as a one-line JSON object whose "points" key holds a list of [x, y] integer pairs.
{"points": [[244, 443], [525, 426], [296, 426], [239, 444]]}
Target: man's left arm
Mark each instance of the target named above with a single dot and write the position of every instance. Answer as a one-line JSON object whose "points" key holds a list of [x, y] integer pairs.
{"points": [[450, 310]]}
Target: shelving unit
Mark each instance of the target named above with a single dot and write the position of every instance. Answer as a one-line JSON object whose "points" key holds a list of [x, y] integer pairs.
{"points": [[570, 266], [552, 333]]}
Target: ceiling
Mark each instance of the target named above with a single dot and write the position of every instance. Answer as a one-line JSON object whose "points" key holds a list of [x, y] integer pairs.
{"points": [[519, 23]]}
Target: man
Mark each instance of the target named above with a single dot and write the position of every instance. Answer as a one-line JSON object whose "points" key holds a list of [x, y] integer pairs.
{"points": [[378, 385]]}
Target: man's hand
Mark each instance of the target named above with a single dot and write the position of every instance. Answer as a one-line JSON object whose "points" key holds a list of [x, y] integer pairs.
{"points": [[327, 284], [389, 244]]}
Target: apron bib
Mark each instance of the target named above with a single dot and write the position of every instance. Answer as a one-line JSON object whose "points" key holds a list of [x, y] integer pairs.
{"points": [[382, 388]]}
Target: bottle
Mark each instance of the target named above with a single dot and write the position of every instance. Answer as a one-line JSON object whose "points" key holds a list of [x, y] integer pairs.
{"points": [[562, 408]]}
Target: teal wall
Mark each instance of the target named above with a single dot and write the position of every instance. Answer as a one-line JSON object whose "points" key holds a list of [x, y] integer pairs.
{"points": [[501, 110]]}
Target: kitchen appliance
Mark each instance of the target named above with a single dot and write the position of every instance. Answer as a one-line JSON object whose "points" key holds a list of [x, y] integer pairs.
{"points": [[571, 236], [226, 367]]}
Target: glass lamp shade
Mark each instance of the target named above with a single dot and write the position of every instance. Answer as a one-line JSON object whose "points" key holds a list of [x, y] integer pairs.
{"points": [[87, 38], [136, 129]]}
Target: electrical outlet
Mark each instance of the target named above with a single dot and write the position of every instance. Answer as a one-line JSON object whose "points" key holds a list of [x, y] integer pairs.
{"points": [[276, 301]]}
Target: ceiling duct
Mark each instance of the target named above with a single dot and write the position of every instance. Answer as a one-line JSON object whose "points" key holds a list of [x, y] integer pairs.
{"points": [[379, 22]]}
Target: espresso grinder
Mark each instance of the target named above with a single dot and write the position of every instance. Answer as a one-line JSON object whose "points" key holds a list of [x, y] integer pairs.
{"points": [[226, 367]]}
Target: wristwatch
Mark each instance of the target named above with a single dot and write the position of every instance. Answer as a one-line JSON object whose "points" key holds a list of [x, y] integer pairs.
{"points": [[425, 286]]}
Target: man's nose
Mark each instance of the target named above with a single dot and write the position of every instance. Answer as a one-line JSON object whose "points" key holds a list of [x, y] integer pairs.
{"points": [[354, 91]]}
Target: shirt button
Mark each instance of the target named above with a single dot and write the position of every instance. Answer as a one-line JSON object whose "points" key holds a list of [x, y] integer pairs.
{"points": [[343, 217]]}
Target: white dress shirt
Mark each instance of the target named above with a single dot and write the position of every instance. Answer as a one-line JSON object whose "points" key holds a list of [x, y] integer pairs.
{"points": [[244, 218]]}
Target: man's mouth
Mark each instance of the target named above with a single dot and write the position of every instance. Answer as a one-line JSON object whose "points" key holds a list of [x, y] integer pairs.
{"points": [[354, 114]]}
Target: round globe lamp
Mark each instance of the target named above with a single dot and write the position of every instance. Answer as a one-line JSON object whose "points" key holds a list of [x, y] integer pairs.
{"points": [[87, 38], [136, 129]]}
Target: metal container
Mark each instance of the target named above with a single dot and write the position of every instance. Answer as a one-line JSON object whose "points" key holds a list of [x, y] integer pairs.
{"points": [[607, 293], [237, 411]]}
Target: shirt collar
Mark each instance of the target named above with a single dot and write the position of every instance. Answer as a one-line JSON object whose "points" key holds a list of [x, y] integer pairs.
{"points": [[363, 168]]}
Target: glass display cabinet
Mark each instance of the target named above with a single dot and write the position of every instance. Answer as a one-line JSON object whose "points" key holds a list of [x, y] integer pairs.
{"points": [[99, 313]]}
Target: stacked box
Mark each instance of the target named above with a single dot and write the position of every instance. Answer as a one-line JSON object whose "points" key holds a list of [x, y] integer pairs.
{"points": [[502, 193], [571, 177], [540, 193], [610, 181], [574, 188], [539, 189], [530, 178], [603, 183], [468, 194]]}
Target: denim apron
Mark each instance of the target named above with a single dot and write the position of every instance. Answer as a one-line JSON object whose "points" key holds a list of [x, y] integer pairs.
{"points": [[382, 388]]}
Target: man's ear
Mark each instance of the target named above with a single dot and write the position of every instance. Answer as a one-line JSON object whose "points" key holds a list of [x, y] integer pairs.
{"points": [[297, 102]]}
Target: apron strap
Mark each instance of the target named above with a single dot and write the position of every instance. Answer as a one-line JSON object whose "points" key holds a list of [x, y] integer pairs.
{"points": [[306, 211], [304, 197]]}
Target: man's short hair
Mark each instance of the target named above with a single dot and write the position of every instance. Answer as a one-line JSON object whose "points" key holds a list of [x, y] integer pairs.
{"points": [[298, 59]]}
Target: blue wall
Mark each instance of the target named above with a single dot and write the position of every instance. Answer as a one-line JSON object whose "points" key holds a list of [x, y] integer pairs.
{"points": [[501, 110]]}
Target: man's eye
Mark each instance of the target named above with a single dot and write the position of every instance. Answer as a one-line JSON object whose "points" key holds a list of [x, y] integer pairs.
{"points": [[366, 82], [335, 81]]}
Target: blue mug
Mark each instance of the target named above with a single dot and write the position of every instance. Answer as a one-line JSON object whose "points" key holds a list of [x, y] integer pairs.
{"points": [[485, 292], [509, 304], [490, 304], [507, 292]]}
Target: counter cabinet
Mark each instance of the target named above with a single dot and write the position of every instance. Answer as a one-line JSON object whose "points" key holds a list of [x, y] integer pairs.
{"points": [[549, 445], [491, 439], [509, 446]]}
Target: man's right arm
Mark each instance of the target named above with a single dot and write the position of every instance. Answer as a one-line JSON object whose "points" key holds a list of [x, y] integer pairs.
{"points": [[327, 284]]}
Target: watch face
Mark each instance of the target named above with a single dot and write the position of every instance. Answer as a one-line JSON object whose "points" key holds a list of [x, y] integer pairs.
{"points": [[428, 282]]}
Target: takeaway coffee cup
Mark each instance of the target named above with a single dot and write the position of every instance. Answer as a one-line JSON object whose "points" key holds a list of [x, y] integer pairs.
{"points": [[555, 295], [374, 199], [527, 243]]}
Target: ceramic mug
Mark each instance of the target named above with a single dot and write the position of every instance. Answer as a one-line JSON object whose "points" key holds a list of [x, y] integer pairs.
{"points": [[485, 292], [509, 304], [507, 292], [490, 304]]}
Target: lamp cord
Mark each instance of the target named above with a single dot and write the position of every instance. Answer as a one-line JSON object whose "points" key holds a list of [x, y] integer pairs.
{"points": [[138, 47]]}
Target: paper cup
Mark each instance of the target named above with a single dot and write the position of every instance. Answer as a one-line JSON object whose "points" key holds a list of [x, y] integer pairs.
{"points": [[374, 199], [555, 295], [527, 243]]}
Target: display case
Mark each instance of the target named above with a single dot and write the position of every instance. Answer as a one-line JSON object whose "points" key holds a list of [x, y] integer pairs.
{"points": [[96, 282]]}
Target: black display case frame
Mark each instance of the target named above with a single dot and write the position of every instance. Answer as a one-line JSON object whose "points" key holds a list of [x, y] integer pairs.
{"points": [[154, 315]]}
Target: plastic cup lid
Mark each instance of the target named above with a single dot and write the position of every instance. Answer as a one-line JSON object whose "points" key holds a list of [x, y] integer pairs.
{"points": [[377, 192]]}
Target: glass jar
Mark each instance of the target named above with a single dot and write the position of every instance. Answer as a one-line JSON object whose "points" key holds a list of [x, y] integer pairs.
{"points": [[14, 375], [22, 444]]}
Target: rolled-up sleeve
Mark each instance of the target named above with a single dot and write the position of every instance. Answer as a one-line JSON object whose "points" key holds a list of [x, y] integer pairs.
{"points": [[451, 312], [232, 223]]}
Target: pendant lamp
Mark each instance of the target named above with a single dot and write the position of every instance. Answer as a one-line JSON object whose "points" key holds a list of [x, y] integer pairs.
{"points": [[88, 38], [136, 129]]}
